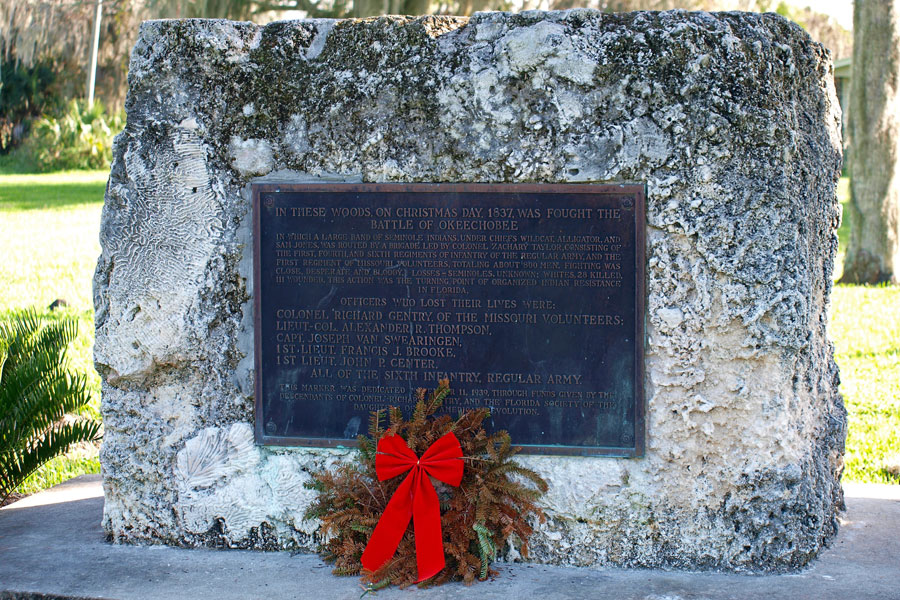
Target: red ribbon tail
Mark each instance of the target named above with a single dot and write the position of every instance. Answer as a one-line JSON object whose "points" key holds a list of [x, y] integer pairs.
{"points": [[415, 499], [427, 523], [391, 527]]}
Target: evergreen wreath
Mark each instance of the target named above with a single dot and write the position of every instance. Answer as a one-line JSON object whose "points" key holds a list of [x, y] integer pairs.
{"points": [[494, 503]]}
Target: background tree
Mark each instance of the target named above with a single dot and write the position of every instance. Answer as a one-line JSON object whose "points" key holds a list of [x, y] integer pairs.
{"points": [[873, 255], [45, 44], [58, 33], [198, 9], [370, 8]]}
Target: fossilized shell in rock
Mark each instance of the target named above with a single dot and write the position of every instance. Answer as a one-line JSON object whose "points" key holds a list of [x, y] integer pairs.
{"points": [[167, 226], [214, 455], [241, 507], [287, 485]]}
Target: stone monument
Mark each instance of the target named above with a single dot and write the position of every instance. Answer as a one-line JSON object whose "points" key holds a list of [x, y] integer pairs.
{"points": [[730, 122]]}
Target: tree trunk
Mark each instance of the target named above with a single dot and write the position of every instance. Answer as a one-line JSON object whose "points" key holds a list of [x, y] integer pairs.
{"points": [[874, 129]]}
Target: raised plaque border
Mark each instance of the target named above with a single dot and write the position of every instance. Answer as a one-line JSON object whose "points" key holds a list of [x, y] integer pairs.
{"points": [[639, 192]]}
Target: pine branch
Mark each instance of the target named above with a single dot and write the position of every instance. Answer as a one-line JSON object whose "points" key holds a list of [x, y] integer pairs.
{"points": [[375, 424], [493, 504]]}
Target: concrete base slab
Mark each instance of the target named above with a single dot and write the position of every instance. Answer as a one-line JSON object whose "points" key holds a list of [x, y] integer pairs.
{"points": [[52, 546]]}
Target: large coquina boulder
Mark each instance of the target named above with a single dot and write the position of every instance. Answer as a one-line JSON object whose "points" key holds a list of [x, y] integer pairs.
{"points": [[729, 119]]}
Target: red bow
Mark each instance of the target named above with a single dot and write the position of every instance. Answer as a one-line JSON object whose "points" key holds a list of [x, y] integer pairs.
{"points": [[416, 499]]}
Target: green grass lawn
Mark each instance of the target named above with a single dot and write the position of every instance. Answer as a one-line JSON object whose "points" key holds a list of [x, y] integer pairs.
{"points": [[49, 228], [49, 225], [865, 329]]}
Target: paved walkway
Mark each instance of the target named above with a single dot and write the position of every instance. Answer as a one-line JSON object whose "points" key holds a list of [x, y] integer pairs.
{"points": [[52, 547]]}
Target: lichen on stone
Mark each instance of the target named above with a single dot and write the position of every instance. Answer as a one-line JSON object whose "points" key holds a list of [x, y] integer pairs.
{"points": [[731, 121]]}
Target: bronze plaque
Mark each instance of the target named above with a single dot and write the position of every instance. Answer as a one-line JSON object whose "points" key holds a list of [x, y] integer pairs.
{"points": [[529, 298]]}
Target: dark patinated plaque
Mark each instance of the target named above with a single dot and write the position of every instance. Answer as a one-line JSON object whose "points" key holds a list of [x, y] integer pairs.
{"points": [[529, 298]]}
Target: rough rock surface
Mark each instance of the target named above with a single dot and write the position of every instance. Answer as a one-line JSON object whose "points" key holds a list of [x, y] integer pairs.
{"points": [[730, 119]]}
